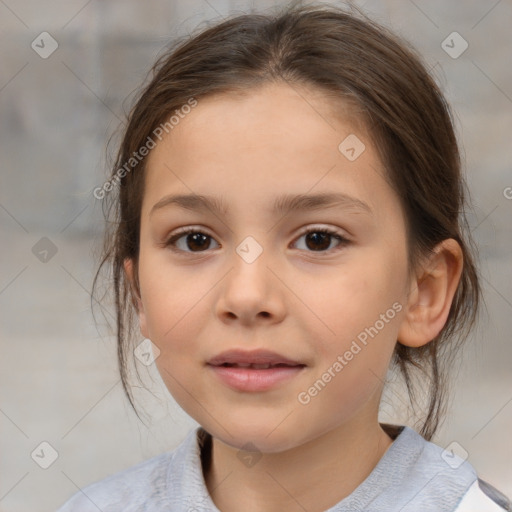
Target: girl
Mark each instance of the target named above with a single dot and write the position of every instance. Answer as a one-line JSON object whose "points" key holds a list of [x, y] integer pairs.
{"points": [[289, 208]]}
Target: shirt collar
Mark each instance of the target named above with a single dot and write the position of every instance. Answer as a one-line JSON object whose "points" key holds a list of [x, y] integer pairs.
{"points": [[187, 489]]}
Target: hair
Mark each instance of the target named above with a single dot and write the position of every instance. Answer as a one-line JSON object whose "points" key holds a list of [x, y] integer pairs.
{"points": [[346, 56]]}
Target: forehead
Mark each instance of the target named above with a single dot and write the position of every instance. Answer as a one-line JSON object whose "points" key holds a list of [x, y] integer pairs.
{"points": [[278, 115], [262, 143]]}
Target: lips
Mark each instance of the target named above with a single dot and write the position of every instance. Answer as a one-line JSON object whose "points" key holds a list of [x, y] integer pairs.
{"points": [[254, 371], [257, 359], [256, 366]]}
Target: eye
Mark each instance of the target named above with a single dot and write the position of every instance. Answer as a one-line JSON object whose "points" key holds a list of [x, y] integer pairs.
{"points": [[192, 239], [320, 239]]}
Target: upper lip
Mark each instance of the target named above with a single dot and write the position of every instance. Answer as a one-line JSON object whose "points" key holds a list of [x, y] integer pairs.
{"points": [[237, 356]]}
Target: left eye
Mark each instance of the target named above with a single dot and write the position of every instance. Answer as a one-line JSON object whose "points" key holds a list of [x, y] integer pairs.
{"points": [[192, 238], [316, 240]]}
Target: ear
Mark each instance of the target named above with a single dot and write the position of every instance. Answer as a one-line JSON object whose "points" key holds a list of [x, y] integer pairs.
{"points": [[136, 300], [431, 294]]}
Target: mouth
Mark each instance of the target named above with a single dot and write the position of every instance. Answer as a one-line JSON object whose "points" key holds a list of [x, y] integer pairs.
{"points": [[254, 371], [257, 359], [258, 366]]}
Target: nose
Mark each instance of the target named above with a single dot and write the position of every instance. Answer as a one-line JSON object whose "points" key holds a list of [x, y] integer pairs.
{"points": [[251, 293]]}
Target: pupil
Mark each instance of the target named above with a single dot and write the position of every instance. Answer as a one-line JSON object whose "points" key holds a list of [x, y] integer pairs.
{"points": [[316, 238], [197, 238]]}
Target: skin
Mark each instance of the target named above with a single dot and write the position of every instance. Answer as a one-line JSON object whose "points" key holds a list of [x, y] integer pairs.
{"points": [[306, 304]]}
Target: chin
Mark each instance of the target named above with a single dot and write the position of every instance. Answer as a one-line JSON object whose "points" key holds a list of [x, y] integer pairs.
{"points": [[268, 435]]}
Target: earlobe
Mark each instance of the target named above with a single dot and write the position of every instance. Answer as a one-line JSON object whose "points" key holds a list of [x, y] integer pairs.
{"points": [[136, 299], [431, 295]]}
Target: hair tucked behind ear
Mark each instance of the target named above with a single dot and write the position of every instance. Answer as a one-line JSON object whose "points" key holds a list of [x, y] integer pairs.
{"points": [[355, 60]]}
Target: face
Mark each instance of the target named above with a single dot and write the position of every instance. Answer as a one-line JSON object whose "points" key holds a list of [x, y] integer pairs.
{"points": [[315, 291]]}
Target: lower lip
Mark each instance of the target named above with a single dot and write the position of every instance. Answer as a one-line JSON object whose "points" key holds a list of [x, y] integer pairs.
{"points": [[249, 379]]}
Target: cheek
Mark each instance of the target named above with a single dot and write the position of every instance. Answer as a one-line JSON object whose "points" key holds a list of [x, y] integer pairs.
{"points": [[353, 298], [175, 304], [176, 310], [360, 313]]}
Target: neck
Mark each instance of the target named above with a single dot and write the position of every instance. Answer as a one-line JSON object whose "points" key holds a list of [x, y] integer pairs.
{"points": [[313, 476]]}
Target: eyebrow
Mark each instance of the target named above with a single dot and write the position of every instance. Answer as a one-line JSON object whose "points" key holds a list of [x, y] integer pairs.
{"points": [[282, 205]]}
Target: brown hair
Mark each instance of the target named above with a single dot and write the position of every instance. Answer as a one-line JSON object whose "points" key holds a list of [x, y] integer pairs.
{"points": [[347, 56]]}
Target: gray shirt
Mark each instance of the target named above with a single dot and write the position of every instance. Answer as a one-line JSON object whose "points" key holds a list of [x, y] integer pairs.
{"points": [[413, 475]]}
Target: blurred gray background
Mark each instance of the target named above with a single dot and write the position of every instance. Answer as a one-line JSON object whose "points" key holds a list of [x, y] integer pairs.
{"points": [[58, 376]]}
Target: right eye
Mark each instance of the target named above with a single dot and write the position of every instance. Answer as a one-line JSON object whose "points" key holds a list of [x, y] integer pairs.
{"points": [[188, 240]]}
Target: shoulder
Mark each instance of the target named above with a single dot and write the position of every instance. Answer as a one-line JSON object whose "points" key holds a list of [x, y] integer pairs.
{"points": [[126, 490], [171, 481], [421, 475], [479, 496], [483, 497]]}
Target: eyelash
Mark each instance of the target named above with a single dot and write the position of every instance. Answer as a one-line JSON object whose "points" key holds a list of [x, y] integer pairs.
{"points": [[343, 241]]}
